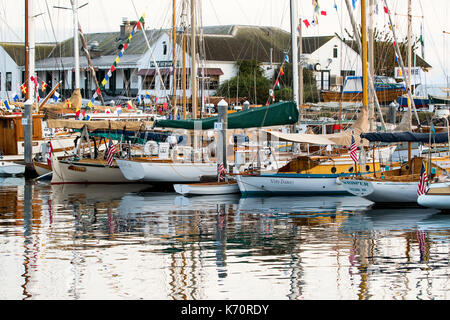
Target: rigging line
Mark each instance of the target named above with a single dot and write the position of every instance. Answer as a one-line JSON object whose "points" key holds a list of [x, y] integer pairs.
{"points": [[54, 35]]}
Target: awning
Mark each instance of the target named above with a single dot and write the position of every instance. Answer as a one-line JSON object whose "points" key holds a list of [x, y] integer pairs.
{"points": [[301, 138]]}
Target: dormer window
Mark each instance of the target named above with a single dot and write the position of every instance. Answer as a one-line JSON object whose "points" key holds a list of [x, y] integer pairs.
{"points": [[164, 48]]}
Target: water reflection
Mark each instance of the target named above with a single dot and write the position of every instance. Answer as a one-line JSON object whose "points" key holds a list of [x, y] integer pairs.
{"points": [[128, 241]]}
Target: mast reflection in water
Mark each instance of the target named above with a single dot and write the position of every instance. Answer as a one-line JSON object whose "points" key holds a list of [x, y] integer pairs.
{"points": [[129, 242]]}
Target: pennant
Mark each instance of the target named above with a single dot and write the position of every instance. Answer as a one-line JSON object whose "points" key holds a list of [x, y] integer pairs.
{"points": [[113, 68], [125, 46], [120, 54], [104, 82], [117, 60], [386, 10], [165, 106], [129, 104], [306, 22], [354, 4], [335, 5], [286, 58], [98, 91], [277, 83]]}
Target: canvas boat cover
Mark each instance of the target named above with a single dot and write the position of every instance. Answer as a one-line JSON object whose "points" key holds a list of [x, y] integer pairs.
{"points": [[439, 137], [280, 113]]}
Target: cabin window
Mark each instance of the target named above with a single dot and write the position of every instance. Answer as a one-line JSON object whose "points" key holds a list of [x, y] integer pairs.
{"points": [[164, 48], [367, 167], [335, 52], [8, 81]]}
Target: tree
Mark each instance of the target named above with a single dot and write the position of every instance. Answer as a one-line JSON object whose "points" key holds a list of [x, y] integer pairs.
{"points": [[249, 79]]}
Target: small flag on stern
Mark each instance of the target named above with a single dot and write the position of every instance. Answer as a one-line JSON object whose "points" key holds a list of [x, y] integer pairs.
{"points": [[110, 155], [221, 171], [422, 186], [353, 149]]}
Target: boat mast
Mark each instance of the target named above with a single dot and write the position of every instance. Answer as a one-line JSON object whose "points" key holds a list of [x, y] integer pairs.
{"points": [[194, 62], [28, 112], [27, 52], [294, 20], [409, 59], [364, 54], [402, 67], [371, 51], [76, 49], [174, 47]]}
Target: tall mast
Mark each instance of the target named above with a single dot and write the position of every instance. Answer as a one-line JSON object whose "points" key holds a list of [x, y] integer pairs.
{"points": [[409, 49], [364, 54], [174, 67], [294, 20], [371, 60], [27, 52], [76, 49], [194, 62], [402, 66]]}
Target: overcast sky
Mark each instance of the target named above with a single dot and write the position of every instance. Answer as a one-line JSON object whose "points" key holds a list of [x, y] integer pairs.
{"points": [[106, 15]]}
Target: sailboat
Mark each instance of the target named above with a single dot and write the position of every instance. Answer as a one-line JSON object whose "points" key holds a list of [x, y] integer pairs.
{"points": [[399, 185]]}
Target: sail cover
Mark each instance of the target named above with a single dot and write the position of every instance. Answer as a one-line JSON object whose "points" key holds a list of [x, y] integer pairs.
{"points": [[440, 137], [280, 113]]}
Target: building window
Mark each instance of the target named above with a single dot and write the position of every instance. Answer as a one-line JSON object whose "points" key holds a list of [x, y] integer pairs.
{"points": [[8, 81], [148, 83], [213, 82], [347, 73], [335, 52], [166, 81], [164, 48]]}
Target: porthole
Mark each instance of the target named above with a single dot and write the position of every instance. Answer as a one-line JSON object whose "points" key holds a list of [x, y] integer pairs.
{"points": [[367, 167], [333, 170], [350, 169]]}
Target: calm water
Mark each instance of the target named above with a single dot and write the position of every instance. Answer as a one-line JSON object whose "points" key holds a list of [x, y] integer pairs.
{"points": [[127, 242]]}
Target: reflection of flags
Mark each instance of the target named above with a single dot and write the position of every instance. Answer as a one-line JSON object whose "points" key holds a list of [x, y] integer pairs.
{"points": [[421, 238], [221, 171], [422, 186], [353, 149], [110, 155], [49, 159]]}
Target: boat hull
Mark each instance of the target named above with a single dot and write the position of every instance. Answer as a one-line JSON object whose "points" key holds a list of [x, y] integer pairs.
{"points": [[11, 168], [437, 196], [384, 96], [41, 168], [285, 184], [207, 188], [382, 191], [79, 172], [173, 172]]}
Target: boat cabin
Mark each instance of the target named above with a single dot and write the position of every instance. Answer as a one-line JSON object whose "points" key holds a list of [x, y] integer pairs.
{"points": [[12, 133]]}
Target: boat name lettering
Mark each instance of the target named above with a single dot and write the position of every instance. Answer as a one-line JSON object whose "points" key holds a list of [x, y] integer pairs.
{"points": [[281, 181]]}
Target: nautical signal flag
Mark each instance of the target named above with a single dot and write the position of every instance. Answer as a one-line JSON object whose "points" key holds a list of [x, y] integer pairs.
{"points": [[16, 97], [306, 22], [43, 86], [129, 104], [119, 109], [353, 149], [56, 96], [386, 9], [423, 180], [286, 58], [23, 87], [139, 99], [323, 12], [6, 104], [68, 103], [281, 71], [277, 83]]}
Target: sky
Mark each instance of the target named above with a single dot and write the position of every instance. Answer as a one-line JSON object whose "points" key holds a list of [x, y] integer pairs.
{"points": [[106, 15]]}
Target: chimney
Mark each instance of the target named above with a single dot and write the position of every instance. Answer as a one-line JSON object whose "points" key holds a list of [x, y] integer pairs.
{"points": [[125, 28]]}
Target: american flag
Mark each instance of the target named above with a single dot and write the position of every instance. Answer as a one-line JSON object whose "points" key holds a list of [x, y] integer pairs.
{"points": [[422, 186], [353, 149], [221, 170], [110, 154]]}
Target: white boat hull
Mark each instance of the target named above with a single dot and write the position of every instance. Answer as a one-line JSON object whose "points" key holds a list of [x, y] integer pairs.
{"points": [[11, 168], [437, 201], [283, 184], [74, 172], [206, 188], [382, 191], [166, 171]]}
